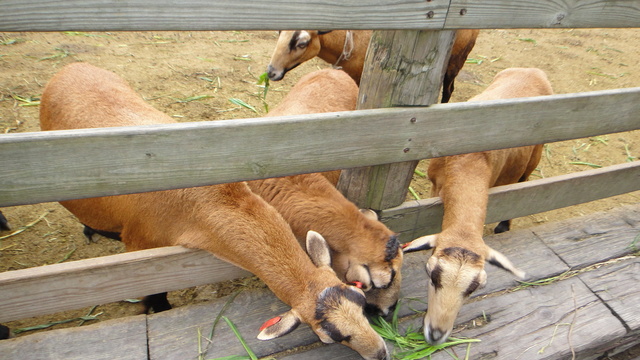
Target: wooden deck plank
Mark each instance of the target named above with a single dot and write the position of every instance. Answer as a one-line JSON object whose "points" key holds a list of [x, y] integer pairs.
{"points": [[122, 339], [533, 323], [593, 238], [617, 286], [174, 334], [523, 323]]}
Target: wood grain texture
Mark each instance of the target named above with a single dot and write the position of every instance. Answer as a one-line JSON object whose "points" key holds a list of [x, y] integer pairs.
{"points": [[542, 14], [80, 163], [617, 285], [173, 334], [402, 68], [47, 289], [534, 324], [527, 324], [122, 339], [193, 15], [422, 217], [593, 238]]}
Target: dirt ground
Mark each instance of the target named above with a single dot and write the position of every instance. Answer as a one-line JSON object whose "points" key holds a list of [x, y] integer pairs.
{"points": [[193, 75]]}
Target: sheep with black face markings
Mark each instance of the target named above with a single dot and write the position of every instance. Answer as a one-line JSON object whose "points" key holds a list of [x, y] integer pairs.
{"points": [[347, 49], [456, 267]]}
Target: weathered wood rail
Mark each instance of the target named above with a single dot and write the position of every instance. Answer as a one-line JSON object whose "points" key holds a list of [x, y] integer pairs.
{"points": [[146, 159], [58, 171], [140, 15]]}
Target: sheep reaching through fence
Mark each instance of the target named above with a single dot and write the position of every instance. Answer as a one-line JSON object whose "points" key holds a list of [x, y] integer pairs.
{"points": [[347, 49], [364, 250], [227, 220], [456, 267]]}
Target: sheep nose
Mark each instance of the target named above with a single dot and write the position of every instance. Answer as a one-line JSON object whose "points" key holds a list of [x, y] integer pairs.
{"points": [[274, 74], [383, 354], [435, 336]]}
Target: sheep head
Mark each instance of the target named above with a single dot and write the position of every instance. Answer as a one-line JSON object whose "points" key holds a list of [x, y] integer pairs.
{"points": [[292, 49], [454, 273], [333, 310]]}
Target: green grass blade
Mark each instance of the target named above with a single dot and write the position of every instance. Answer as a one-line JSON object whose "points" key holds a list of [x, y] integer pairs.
{"points": [[420, 173], [414, 193], [585, 163], [243, 104], [412, 342], [237, 333], [48, 325]]}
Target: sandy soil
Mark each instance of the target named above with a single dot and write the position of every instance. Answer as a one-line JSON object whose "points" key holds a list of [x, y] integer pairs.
{"points": [[192, 75]]}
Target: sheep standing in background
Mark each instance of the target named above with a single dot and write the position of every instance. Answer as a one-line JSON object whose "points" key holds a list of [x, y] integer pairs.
{"points": [[456, 267], [347, 49]]}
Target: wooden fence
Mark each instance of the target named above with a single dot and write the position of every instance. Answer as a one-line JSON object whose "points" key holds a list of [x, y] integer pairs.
{"points": [[63, 164]]}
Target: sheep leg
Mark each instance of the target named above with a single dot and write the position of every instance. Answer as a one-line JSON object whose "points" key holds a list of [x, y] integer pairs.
{"points": [[4, 224], [5, 333], [89, 232], [156, 302], [505, 225], [447, 87], [502, 226]]}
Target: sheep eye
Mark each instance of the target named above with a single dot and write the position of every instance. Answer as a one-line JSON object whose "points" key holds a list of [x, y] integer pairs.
{"points": [[303, 45]]}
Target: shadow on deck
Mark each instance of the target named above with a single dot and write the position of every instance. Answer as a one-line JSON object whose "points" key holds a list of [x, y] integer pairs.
{"points": [[591, 311]]}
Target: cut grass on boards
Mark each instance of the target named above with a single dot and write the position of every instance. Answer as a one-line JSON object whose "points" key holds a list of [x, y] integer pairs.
{"points": [[409, 345]]}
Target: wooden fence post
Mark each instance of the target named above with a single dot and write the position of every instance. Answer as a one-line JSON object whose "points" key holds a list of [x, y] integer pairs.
{"points": [[402, 68]]}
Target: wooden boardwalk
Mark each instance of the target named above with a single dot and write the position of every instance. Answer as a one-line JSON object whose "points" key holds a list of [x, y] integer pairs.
{"points": [[593, 310]]}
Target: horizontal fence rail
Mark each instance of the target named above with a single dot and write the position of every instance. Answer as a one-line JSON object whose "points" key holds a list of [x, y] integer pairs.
{"points": [[194, 15], [423, 217], [111, 161], [73, 285], [47, 289]]}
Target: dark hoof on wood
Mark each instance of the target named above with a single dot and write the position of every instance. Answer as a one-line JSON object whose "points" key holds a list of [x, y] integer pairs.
{"points": [[5, 333], [503, 226], [156, 302], [4, 224]]}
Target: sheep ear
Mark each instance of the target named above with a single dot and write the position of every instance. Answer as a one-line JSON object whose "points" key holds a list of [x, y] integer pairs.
{"points": [[279, 326], [369, 214], [498, 259], [318, 249], [421, 243]]}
